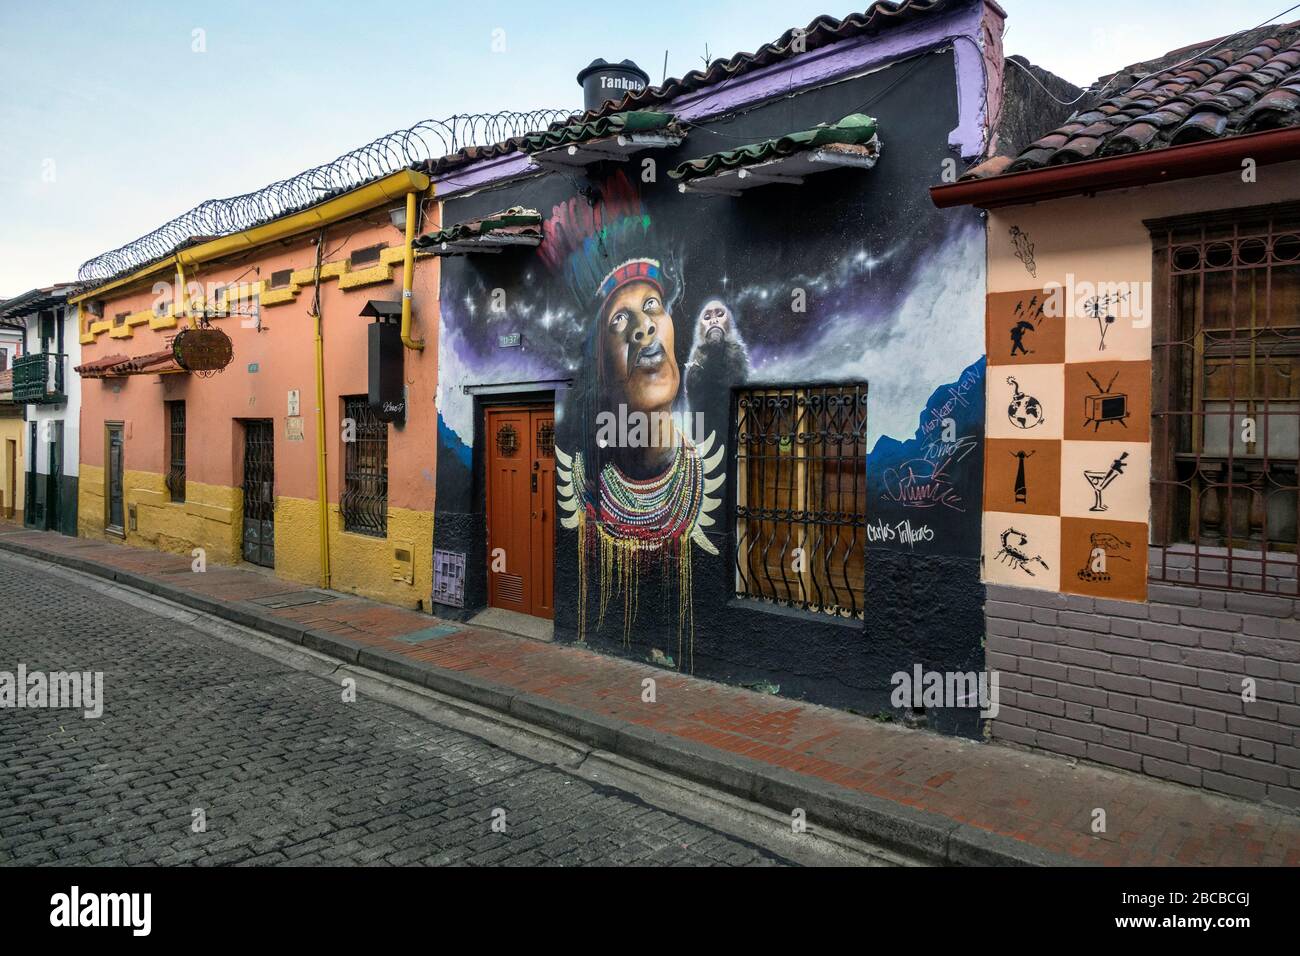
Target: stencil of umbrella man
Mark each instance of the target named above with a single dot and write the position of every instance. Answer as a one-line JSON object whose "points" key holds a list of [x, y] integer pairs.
{"points": [[1101, 480], [1018, 336], [1027, 321]]}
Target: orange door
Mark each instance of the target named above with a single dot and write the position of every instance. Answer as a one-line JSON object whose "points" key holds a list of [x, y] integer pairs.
{"points": [[521, 509]]}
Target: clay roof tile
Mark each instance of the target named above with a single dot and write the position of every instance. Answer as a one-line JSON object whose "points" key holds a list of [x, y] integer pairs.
{"points": [[1222, 93]]}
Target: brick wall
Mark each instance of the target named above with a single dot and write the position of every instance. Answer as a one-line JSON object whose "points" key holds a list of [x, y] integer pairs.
{"points": [[1154, 687]]}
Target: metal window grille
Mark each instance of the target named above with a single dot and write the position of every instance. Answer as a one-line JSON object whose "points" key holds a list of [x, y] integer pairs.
{"points": [[800, 453], [259, 492], [176, 450], [281, 278], [1226, 399], [364, 502]]}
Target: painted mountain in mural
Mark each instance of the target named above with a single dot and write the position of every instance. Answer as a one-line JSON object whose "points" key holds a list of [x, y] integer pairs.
{"points": [[925, 493]]}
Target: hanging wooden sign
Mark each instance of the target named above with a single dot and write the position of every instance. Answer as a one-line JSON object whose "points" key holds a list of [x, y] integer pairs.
{"points": [[202, 350]]}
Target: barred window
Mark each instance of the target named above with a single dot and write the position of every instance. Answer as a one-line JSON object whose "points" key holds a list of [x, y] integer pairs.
{"points": [[176, 449], [1226, 402], [801, 496], [364, 502]]}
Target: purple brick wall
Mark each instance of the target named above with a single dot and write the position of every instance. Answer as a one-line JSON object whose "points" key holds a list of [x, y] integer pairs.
{"points": [[1154, 688]]}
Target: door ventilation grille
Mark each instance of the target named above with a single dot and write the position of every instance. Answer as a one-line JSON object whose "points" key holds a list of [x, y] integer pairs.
{"points": [[510, 587]]}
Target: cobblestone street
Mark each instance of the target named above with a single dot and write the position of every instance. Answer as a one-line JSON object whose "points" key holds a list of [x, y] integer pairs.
{"points": [[282, 769]]}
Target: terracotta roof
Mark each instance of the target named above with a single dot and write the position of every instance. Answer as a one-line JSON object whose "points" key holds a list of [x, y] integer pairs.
{"points": [[1250, 85], [822, 31], [151, 363], [161, 361], [101, 366], [36, 300]]}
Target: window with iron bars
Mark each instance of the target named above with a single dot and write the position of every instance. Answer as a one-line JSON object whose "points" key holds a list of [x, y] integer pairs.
{"points": [[364, 502], [800, 515], [176, 450], [1226, 399]]}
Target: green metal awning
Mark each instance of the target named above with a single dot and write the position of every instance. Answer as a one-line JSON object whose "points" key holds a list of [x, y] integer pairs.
{"points": [[515, 226], [853, 141], [630, 121], [614, 137]]}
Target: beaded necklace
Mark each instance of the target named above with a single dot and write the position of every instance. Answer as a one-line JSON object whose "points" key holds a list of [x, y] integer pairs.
{"points": [[656, 510]]}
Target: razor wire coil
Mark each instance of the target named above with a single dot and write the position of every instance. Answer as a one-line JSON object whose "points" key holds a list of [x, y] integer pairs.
{"points": [[424, 142]]}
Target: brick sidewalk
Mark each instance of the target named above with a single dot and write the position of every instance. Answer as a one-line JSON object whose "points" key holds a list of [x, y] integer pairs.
{"points": [[1042, 801]]}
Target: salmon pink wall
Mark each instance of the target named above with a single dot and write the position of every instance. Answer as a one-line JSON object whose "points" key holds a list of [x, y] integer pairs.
{"points": [[283, 353]]}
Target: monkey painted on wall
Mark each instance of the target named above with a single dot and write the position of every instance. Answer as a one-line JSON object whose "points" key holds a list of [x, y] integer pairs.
{"points": [[718, 359]]}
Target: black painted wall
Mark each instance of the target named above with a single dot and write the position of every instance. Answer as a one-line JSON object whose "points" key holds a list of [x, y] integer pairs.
{"points": [[879, 263], [38, 499]]}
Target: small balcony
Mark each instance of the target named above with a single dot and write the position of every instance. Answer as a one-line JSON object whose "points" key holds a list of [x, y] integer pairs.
{"points": [[38, 379]]}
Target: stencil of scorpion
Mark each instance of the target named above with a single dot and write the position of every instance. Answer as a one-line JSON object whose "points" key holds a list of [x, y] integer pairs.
{"points": [[1012, 556]]}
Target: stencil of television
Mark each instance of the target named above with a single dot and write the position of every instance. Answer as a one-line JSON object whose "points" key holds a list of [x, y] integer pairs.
{"points": [[1105, 406]]}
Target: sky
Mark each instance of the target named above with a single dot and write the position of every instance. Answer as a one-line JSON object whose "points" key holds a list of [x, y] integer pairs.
{"points": [[116, 117]]}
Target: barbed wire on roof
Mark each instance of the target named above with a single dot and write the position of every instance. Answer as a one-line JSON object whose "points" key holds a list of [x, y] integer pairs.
{"points": [[424, 142]]}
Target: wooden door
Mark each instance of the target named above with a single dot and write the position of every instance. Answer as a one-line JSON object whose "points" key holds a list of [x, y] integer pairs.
{"points": [[521, 509]]}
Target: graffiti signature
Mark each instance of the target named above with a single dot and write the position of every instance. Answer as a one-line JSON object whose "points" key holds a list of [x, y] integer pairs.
{"points": [[923, 482], [957, 395], [903, 532]]}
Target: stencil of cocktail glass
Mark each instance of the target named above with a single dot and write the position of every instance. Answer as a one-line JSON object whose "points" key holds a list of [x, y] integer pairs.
{"points": [[1101, 480]]}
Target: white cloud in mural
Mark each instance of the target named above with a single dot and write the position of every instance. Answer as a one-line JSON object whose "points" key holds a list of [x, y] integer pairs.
{"points": [[459, 366], [456, 408], [935, 333]]}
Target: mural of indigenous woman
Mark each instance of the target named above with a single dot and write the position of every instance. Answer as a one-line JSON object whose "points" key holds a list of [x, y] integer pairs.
{"points": [[641, 489]]}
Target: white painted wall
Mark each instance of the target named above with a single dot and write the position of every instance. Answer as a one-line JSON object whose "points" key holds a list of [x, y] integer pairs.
{"points": [[11, 341], [68, 413]]}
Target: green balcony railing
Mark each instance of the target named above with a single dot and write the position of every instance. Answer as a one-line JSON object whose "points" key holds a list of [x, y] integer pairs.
{"points": [[38, 378]]}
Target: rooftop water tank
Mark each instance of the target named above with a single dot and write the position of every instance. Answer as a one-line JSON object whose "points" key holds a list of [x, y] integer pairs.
{"points": [[601, 81]]}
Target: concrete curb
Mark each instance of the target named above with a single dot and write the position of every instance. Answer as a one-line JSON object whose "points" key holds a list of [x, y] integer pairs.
{"points": [[898, 827]]}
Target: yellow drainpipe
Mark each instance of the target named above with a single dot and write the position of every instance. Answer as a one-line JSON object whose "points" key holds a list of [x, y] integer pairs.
{"points": [[320, 457], [180, 305], [322, 504], [408, 274]]}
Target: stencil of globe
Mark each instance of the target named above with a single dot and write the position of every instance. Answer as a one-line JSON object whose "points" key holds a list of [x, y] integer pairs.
{"points": [[1025, 412]]}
